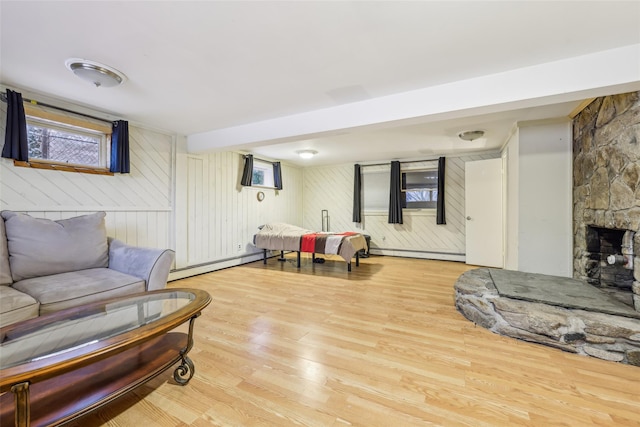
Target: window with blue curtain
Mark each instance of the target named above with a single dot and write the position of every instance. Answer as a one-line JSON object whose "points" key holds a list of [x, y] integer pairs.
{"points": [[261, 173]]}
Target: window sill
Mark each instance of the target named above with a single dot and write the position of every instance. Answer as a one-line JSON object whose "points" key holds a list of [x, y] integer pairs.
{"points": [[261, 187], [62, 167], [405, 211]]}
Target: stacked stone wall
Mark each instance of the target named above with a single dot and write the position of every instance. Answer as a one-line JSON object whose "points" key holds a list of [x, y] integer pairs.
{"points": [[606, 174]]}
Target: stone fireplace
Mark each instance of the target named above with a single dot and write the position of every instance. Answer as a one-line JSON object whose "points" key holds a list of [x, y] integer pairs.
{"points": [[610, 262], [603, 320], [606, 195]]}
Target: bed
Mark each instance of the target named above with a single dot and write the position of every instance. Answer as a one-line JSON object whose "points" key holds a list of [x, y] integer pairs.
{"points": [[286, 237]]}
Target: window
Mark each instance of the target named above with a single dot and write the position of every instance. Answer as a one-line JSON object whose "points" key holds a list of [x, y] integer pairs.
{"points": [[262, 174], [65, 142], [375, 190], [420, 189]]}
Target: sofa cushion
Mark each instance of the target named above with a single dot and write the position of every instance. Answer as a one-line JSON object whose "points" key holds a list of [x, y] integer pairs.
{"points": [[16, 306], [60, 291], [41, 247], [5, 271]]}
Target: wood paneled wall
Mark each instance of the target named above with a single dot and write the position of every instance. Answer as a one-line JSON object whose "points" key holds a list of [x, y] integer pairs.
{"points": [[331, 188], [220, 217], [139, 205], [223, 216], [214, 221]]}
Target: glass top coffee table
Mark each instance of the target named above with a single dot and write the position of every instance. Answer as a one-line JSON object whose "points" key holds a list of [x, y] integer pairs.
{"points": [[62, 365]]}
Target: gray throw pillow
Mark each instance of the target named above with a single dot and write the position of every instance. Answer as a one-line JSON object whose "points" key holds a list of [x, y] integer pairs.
{"points": [[41, 247]]}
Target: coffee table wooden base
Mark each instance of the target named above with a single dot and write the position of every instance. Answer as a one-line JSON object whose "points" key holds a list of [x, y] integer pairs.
{"points": [[69, 396]]}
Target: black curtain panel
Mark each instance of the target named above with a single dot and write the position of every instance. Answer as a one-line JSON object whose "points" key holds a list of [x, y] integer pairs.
{"points": [[120, 147], [357, 194], [15, 137], [440, 219], [395, 194], [247, 172], [277, 175]]}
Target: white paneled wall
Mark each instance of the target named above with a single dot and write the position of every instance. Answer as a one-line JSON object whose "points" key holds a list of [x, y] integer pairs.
{"points": [[223, 216], [138, 205], [220, 217], [331, 188], [214, 219]]}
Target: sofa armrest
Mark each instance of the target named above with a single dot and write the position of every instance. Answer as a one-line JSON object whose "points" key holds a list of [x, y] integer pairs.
{"points": [[151, 265]]}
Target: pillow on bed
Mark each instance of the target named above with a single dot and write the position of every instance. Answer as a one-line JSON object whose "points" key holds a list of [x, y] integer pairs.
{"points": [[280, 227], [41, 247]]}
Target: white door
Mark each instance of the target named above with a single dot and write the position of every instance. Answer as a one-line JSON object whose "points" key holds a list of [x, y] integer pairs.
{"points": [[483, 209]]}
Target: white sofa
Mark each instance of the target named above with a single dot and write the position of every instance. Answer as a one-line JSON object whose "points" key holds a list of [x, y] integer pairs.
{"points": [[47, 266]]}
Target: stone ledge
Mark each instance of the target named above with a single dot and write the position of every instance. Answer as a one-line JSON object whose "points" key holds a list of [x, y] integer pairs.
{"points": [[600, 335]]}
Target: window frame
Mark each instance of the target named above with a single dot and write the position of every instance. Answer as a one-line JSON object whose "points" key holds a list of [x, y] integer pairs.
{"points": [[267, 168], [418, 205], [43, 117]]}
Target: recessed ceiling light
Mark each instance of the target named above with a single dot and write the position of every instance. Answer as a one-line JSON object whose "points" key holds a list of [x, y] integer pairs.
{"points": [[306, 154], [99, 74], [470, 135]]}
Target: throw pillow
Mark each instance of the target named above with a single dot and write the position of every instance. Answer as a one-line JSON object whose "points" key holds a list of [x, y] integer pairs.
{"points": [[41, 247]]}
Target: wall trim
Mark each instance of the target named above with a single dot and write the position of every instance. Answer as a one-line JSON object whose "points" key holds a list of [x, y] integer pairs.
{"points": [[194, 270], [584, 104], [86, 209], [407, 253]]}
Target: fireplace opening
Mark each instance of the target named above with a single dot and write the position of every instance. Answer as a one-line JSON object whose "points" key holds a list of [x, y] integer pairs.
{"points": [[610, 261]]}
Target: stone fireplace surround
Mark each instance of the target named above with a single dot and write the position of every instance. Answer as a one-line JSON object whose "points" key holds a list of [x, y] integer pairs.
{"points": [[606, 182], [606, 196]]}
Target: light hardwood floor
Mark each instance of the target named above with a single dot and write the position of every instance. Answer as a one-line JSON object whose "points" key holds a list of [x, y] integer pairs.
{"points": [[381, 346]]}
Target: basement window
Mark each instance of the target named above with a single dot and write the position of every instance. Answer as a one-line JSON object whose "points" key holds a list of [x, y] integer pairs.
{"points": [[62, 144], [420, 189], [67, 143], [262, 174]]}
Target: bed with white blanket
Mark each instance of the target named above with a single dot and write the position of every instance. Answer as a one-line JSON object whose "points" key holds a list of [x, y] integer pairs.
{"points": [[286, 237]]}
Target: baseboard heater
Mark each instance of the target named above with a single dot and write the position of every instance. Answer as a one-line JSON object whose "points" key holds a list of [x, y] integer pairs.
{"points": [[447, 256]]}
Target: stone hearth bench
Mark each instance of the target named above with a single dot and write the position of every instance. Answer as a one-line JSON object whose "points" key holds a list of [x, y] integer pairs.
{"points": [[610, 335]]}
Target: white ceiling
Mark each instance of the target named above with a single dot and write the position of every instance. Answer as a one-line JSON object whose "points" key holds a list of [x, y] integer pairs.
{"points": [[213, 70]]}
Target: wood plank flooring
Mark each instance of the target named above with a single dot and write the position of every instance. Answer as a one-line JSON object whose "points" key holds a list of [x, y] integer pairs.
{"points": [[381, 346]]}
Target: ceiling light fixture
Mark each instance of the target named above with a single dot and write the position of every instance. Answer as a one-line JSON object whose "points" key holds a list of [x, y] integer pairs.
{"points": [[306, 154], [470, 135], [99, 74]]}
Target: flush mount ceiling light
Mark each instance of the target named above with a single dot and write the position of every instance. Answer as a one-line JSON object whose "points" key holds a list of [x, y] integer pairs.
{"points": [[99, 74], [306, 154], [470, 135]]}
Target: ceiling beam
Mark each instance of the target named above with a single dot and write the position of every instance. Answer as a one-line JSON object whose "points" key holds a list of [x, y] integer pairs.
{"points": [[602, 73]]}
